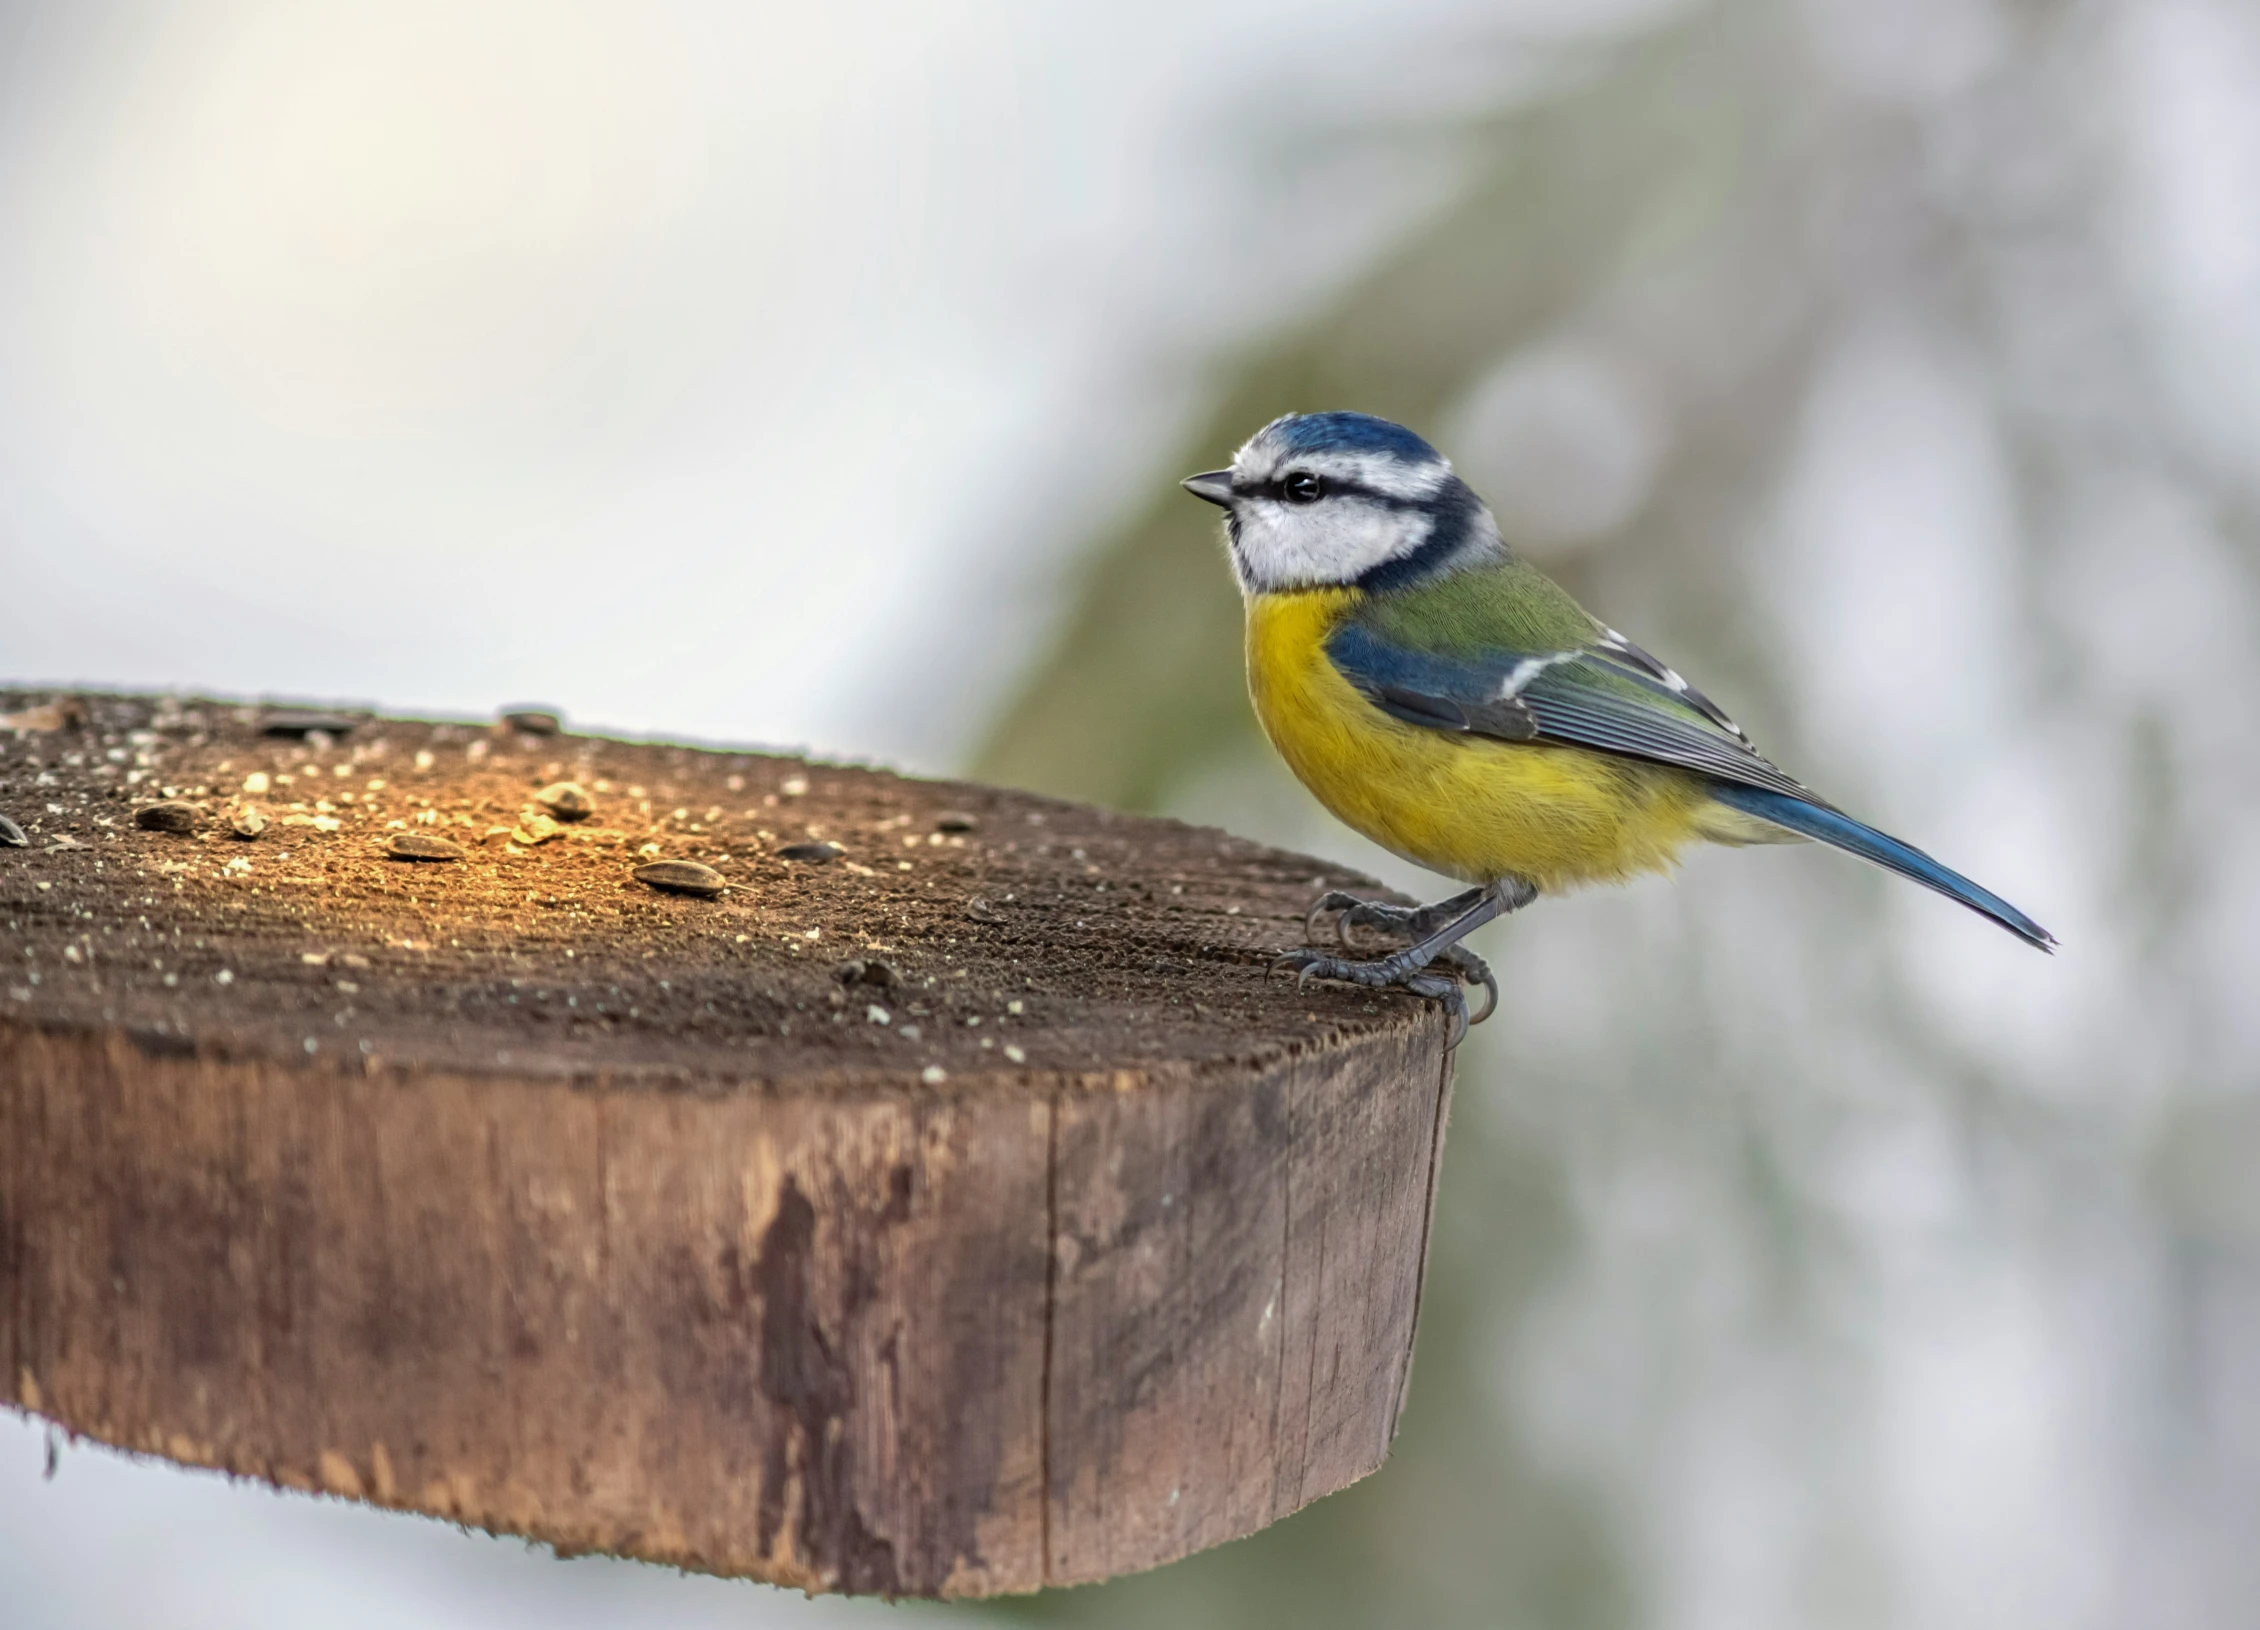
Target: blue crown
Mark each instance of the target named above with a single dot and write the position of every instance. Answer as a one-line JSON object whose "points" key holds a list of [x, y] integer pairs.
{"points": [[1351, 433]]}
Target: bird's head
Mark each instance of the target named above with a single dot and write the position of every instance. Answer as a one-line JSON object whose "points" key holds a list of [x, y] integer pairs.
{"points": [[1319, 500]]}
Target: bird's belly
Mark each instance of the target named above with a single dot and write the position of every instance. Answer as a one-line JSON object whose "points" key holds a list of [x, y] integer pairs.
{"points": [[1467, 806]]}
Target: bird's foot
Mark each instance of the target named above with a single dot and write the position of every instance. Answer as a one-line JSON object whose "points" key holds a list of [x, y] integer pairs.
{"points": [[1434, 965], [1405, 923], [1406, 972]]}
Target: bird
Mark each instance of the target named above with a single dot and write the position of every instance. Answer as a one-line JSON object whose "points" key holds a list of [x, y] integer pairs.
{"points": [[1442, 696]]}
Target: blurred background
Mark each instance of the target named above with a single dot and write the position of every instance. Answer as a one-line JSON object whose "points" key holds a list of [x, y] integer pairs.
{"points": [[1808, 1253]]}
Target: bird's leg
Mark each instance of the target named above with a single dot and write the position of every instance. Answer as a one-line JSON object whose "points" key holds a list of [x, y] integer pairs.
{"points": [[1403, 922], [1409, 923], [1438, 943]]}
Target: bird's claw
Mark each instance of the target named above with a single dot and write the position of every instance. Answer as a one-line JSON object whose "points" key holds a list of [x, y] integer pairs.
{"points": [[1302, 964], [1475, 971], [1463, 965], [1446, 991], [1357, 912], [1332, 900]]}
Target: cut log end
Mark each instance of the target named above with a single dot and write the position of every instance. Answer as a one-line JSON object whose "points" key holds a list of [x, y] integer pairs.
{"points": [[898, 1187]]}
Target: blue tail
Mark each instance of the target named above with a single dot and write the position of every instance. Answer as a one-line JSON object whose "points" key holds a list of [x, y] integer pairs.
{"points": [[1840, 830]]}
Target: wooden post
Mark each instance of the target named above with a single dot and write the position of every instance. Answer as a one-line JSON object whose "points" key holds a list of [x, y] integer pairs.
{"points": [[953, 1207]]}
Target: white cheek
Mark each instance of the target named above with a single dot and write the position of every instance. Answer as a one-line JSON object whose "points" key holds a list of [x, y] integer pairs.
{"points": [[1283, 547]]}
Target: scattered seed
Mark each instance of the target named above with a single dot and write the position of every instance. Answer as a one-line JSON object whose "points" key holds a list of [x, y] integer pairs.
{"points": [[12, 835], [955, 820], [533, 721], [534, 828], [51, 716], [682, 877], [794, 786], [978, 909], [257, 784], [567, 800], [875, 1014], [179, 819], [293, 721], [1015, 1054], [813, 850], [420, 846], [247, 820], [933, 1075]]}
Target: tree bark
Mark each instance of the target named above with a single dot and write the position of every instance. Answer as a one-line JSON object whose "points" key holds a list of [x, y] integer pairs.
{"points": [[960, 1212]]}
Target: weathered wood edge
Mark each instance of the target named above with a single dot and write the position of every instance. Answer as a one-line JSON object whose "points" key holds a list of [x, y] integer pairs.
{"points": [[1128, 1537]]}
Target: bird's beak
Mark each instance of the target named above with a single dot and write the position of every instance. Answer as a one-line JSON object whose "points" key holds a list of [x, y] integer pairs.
{"points": [[1215, 486]]}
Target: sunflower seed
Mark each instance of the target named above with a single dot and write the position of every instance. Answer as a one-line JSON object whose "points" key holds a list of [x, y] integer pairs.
{"points": [[420, 846], [866, 971], [978, 909], [12, 835], [296, 721], [176, 818], [533, 721], [567, 800], [813, 850], [682, 877], [57, 715], [534, 827], [247, 820]]}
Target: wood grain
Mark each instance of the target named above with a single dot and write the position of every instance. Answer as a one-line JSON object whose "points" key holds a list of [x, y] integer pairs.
{"points": [[748, 1281]]}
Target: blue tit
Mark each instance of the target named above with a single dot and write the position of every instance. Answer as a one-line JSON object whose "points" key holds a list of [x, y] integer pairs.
{"points": [[1460, 709]]}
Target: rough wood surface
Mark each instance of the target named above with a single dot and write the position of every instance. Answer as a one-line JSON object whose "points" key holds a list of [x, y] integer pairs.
{"points": [[958, 1212]]}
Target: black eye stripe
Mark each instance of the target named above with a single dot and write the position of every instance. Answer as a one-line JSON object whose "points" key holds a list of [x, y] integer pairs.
{"points": [[1336, 487]]}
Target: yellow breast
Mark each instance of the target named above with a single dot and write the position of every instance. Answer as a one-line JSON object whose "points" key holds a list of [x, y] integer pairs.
{"points": [[1466, 806]]}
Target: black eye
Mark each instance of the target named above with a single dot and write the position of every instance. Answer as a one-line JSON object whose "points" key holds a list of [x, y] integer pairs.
{"points": [[1302, 488]]}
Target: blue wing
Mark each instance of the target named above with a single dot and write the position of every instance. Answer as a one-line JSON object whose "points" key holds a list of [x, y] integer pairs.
{"points": [[1609, 695], [1612, 696]]}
